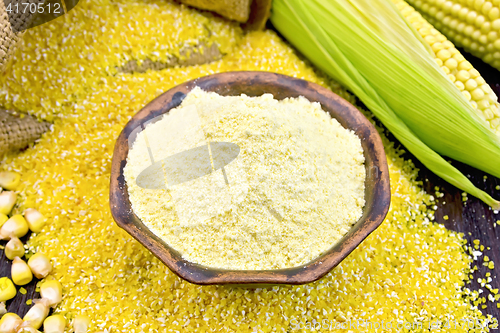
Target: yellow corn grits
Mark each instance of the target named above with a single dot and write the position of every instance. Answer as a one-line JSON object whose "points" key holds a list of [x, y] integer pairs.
{"points": [[409, 270], [226, 225]]}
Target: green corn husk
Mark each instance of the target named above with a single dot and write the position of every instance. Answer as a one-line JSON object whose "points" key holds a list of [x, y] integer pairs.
{"points": [[368, 46]]}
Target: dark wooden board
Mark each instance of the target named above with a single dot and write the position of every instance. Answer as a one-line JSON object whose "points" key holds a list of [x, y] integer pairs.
{"points": [[474, 218]]}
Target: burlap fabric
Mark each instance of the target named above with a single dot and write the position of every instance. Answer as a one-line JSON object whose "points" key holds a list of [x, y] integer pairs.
{"points": [[18, 131], [190, 56], [238, 10], [253, 13], [9, 40]]}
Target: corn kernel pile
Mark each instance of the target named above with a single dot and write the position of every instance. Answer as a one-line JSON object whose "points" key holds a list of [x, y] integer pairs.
{"points": [[410, 271]]}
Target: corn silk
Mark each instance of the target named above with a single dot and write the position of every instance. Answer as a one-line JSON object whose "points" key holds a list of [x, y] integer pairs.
{"points": [[410, 270]]}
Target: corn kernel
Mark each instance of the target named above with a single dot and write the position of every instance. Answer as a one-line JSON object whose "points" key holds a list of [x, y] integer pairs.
{"points": [[3, 219], [81, 324], [37, 314], [51, 291], [20, 272], [7, 201], [7, 289], [10, 322], [15, 226], [54, 324], [14, 248], [9, 180], [35, 219]]}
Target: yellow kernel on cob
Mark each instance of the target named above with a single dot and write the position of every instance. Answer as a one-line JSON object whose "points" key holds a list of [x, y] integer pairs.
{"points": [[465, 77], [471, 26], [9, 180]]}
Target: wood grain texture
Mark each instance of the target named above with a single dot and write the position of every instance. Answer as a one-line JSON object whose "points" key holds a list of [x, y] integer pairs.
{"points": [[377, 189]]}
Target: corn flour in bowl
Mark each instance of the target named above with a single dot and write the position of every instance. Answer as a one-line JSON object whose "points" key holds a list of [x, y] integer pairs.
{"points": [[246, 183]]}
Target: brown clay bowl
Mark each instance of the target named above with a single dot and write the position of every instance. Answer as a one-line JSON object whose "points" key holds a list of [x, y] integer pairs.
{"points": [[377, 193]]}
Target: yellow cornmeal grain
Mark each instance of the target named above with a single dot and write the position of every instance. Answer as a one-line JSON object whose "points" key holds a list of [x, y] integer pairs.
{"points": [[293, 156], [408, 269]]}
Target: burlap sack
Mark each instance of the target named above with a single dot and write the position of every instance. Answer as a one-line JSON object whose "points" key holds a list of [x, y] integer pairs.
{"points": [[238, 10], [253, 13], [18, 131], [9, 40]]}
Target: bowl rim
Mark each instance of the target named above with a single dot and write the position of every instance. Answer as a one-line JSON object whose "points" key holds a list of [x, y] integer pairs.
{"points": [[350, 117]]}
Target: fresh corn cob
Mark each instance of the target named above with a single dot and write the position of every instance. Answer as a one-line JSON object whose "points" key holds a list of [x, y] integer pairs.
{"points": [[386, 63], [466, 78], [471, 24]]}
